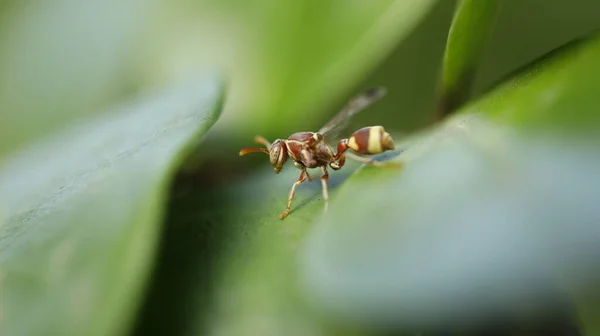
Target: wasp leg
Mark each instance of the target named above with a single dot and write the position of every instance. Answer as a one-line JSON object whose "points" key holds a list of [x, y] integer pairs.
{"points": [[370, 161], [301, 166], [324, 179], [301, 179], [262, 141]]}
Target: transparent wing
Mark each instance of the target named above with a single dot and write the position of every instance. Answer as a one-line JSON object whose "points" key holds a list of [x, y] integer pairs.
{"points": [[332, 129]]}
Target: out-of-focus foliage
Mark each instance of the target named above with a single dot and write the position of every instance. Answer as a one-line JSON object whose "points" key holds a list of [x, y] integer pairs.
{"points": [[96, 52], [483, 211], [471, 27], [83, 209], [287, 56], [526, 29], [227, 264], [63, 60], [523, 31], [479, 222], [558, 94], [232, 261]]}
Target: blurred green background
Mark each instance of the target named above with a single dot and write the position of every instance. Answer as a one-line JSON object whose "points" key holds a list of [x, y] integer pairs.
{"points": [[170, 251], [67, 60]]}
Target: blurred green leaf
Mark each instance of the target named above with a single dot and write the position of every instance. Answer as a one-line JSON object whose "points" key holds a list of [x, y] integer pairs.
{"points": [[412, 71], [287, 58], [496, 203], [281, 56], [482, 220], [65, 60], [342, 44], [467, 38], [557, 93], [82, 211], [588, 310], [227, 262], [527, 29]]}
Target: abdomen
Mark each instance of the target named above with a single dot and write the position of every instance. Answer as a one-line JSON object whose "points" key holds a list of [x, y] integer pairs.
{"points": [[370, 140]]}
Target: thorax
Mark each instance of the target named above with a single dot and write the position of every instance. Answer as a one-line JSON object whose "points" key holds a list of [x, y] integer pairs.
{"points": [[309, 148]]}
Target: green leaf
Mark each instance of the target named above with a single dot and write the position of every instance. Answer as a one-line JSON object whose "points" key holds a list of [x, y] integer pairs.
{"points": [[556, 93], [82, 212], [481, 211], [587, 307], [230, 259], [60, 61], [493, 212], [361, 36], [524, 30], [467, 38], [292, 58]]}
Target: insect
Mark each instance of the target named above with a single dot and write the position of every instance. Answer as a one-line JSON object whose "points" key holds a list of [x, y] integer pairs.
{"points": [[311, 150]]}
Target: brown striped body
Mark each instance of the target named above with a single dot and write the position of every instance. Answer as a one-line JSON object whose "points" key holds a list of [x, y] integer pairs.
{"points": [[310, 150], [370, 140]]}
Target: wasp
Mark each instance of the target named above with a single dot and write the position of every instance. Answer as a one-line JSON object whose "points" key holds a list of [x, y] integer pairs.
{"points": [[311, 149]]}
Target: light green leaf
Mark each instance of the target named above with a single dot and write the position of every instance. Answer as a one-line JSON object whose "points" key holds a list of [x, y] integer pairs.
{"points": [[494, 210], [361, 35], [467, 38], [229, 257], [287, 58], [82, 211], [557, 93], [63, 60]]}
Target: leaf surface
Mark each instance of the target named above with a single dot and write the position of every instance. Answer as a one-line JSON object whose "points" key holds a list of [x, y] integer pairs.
{"points": [[82, 211], [467, 38], [60, 61], [494, 211]]}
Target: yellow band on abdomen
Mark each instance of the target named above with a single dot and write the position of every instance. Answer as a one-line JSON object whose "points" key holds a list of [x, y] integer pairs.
{"points": [[353, 145], [374, 142]]}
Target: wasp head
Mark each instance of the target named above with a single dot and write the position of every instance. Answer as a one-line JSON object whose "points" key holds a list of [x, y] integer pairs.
{"points": [[277, 152], [278, 155]]}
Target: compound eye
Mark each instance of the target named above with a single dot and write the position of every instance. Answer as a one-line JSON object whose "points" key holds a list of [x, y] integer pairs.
{"points": [[278, 154], [274, 152]]}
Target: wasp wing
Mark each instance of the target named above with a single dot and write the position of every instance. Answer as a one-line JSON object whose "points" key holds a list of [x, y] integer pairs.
{"points": [[355, 105]]}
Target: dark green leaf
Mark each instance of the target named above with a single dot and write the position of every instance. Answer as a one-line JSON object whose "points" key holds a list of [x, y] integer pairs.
{"points": [[556, 93], [82, 211], [227, 263], [495, 205], [468, 35]]}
